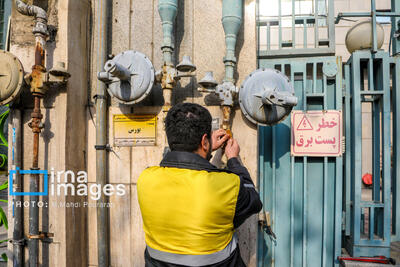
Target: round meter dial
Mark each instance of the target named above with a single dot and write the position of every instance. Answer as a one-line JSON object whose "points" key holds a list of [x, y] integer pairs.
{"points": [[11, 77]]}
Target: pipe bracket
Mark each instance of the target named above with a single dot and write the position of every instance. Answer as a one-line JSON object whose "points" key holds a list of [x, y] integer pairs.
{"points": [[106, 147], [43, 236], [19, 242], [97, 96]]}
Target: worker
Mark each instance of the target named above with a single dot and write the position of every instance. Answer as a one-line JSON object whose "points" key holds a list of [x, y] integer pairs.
{"points": [[191, 208]]}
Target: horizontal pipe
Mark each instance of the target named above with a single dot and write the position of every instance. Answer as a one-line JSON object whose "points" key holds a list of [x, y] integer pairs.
{"points": [[365, 14]]}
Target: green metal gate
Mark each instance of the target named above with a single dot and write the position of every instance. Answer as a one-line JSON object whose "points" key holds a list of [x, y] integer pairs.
{"points": [[302, 194]]}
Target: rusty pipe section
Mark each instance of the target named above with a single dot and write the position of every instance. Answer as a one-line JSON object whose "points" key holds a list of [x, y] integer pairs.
{"points": [[226, 125], [38, 90]]}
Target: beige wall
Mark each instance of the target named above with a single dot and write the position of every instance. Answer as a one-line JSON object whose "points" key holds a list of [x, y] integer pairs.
{"points": [[68, 139], [63, 140], [199, 34]]}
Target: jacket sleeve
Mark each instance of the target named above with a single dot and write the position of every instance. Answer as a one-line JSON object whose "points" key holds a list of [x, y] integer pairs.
{"points": [[248, 202]]}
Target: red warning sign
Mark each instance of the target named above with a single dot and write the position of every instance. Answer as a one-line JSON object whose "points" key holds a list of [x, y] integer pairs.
{"points": [[305, 125], [316, 133]]}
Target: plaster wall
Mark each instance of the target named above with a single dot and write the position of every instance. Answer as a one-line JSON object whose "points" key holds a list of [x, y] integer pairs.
{"points": [[68, 139]]}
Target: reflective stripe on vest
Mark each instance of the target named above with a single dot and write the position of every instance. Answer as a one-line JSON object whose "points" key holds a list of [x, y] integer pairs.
{"points": [[187, 212], [194, 260]]}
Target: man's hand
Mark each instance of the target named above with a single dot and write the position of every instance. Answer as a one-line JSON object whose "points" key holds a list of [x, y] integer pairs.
{"points": [[232, 149], [219, 137]]}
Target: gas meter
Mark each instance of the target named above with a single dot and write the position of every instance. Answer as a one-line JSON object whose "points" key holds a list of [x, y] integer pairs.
{"points": [[266, 97], [11, 77], [129, 76]]}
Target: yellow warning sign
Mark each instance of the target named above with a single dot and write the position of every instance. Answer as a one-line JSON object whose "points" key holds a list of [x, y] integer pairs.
{"points": [[134, 130]]}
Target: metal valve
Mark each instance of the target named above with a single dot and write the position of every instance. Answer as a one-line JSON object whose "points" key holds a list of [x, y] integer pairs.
{"points": [[226, 91]]}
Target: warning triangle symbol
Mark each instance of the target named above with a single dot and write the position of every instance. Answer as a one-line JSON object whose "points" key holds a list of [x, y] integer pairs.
{"points": [[304, 125]]}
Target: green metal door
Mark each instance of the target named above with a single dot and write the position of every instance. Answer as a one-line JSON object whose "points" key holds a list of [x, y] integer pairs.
{"points": [[302, 194]]}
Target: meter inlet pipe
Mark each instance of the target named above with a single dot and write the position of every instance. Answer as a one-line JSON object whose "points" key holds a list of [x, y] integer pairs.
{"points": [[231, 20], [101, 134], [168, 10], [18, 233], [38, 90]]}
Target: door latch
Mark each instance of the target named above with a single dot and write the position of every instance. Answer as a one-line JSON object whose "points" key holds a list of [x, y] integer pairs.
{"points": [[264, 220]]}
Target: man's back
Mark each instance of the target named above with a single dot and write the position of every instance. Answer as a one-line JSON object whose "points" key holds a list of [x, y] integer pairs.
{"points": [[188, 211], [190, 208]]}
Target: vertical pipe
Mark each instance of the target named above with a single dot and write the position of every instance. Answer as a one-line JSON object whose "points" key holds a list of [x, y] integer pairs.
{"points": [[395, 25], [167, 10], [373, 21], [231, 20], [293, 24], [18, 234], [274, 158], [325, 211], [386, 157], [396, 149], [339, 170], [316, 29], [101, 134], [356, 147], [325, 88], [292, 195], [38, 69], [305, 33], [280, 23], [371, 223], [305, 209], [331, 24], [261, 168], [314, 88], [292, 189], [34, 185], [348, 151], [36, 125], [268, 35]]}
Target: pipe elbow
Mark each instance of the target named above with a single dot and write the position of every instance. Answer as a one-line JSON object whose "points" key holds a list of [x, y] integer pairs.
{"points": [[30, 10]]}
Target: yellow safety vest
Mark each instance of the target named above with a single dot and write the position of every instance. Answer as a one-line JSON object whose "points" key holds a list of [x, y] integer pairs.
{"points": [[187, 211]]}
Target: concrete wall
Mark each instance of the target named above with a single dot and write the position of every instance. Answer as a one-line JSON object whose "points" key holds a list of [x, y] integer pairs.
{"points": [[67, 142], [63, 140], [199, 34]]}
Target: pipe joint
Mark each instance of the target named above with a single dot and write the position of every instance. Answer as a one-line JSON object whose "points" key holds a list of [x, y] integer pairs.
{"points": [[38, 13], [230, 61], [40, 28]]}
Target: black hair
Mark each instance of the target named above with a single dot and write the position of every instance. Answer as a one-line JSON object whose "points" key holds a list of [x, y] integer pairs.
{"points": [[185, 125]]}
